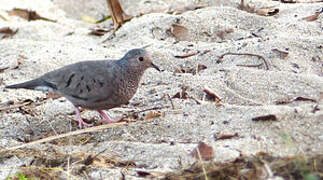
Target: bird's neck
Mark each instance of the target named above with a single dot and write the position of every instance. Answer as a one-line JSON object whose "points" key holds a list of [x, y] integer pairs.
{"points": [[133, 75], [132, 71]]}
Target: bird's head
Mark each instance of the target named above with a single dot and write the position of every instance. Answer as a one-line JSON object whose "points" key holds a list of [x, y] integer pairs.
{"points": [[139, 59]]}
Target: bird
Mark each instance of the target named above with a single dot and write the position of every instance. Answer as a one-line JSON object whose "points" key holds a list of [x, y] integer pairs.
{"points": [[95, 85]]}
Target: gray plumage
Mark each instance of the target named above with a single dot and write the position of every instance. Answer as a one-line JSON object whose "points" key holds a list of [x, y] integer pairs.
{"points": [[96, 85]]}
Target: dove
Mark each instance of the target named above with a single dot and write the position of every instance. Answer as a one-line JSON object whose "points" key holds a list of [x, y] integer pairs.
{"points": [[95, 85]]}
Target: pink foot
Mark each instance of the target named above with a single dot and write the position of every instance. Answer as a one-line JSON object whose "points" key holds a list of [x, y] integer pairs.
{"points": [[107, 118], [79, 118]]}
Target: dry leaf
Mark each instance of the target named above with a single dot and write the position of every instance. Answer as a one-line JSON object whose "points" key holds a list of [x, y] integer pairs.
{"points": [[282, 54], [153, 114], [180, 32], [225, 136], [99, 31], [211, 94], [313, 17], [118, 16], [187, 55], [267, 11], [203, 151], [269, 117], [28, 15], [6, 32], [261, 12]]}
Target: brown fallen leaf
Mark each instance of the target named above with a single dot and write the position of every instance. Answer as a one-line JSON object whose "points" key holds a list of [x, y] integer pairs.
{"points": [[6, 32], [203, 151], [187, 55], [269, 117], [99, 31], [261, 12], [117, 13], [282, 54], [313, 17], [180, 32], [225, 136], [267, 11], [153, 114], [29, 15], [211, 94]]}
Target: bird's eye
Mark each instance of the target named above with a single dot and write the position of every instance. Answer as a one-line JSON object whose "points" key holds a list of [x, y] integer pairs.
{"points": [[140, 58]]}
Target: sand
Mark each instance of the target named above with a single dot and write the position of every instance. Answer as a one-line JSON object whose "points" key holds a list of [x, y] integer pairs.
{"points": [[291, 89]]}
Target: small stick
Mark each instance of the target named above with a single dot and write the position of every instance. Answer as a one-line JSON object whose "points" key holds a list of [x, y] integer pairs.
{"points": [[250, 65], [246, 54], [15, 106], [171, 101], [73, 133], [154, 108]]}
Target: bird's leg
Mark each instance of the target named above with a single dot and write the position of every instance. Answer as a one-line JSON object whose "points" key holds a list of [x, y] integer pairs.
{"points": [[107, 118], [79, 118]]}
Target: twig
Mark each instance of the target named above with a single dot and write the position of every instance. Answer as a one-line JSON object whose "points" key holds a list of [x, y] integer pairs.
{"points": [[154, 108], [15, 106], [73, 133], [245, 54], [187, 54], [202, 164], [171, 101], [250, 65]]}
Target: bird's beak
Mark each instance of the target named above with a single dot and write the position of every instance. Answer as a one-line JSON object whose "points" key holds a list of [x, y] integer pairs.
{"points": [[154, 66]]}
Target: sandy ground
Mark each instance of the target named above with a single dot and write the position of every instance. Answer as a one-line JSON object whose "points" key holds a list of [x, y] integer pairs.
{"points": [[291, 89]]}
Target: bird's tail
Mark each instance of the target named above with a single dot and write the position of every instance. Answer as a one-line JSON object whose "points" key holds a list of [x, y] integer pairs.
{"points": [[36, 84], [26, 85]]}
